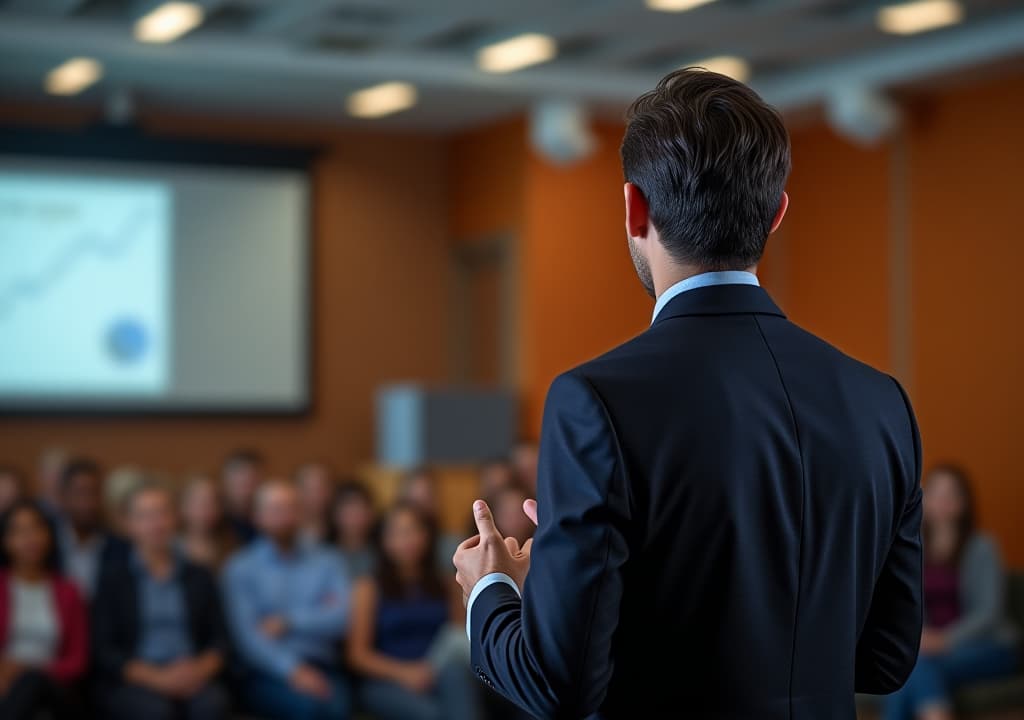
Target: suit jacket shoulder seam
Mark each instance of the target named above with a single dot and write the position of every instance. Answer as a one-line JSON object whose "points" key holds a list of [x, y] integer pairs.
{"points": [[803, 503]]}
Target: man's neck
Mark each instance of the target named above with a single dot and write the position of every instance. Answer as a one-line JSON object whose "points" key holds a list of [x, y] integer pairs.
{"points": [[672, 273], [284, 546]]}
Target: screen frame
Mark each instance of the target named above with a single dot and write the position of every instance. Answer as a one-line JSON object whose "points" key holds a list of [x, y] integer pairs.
{"points": [[130, 144]]}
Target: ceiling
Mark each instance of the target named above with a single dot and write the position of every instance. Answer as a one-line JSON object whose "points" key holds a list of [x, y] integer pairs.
{"points": [[302, 58]]}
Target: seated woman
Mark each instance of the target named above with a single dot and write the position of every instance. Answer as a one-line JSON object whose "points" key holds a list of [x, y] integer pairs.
{"points": [[966, 636], [206, 537], [401, 640], [43, 620], [352, 520]]}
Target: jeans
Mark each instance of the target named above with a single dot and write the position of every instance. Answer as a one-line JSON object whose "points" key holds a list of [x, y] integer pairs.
{"points": [[455, 696], [132, 702], [32, 692], [936, 677], [274, 698]]}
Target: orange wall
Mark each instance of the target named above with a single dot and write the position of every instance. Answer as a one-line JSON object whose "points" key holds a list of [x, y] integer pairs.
{"points": [[834, 243], [966, 154], [486, 181], [580, 295], [381, 308]]}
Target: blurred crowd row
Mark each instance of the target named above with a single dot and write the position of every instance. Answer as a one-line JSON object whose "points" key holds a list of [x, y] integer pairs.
{"points": [[123, 596]]}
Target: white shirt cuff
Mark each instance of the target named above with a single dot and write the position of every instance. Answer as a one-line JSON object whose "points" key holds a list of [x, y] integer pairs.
{"points": [[482, 584]]}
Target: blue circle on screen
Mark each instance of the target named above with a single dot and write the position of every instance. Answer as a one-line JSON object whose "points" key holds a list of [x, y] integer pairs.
{"points": [[127, 341]]}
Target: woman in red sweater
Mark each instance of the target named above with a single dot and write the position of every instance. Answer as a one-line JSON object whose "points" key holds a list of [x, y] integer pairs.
{"points": [[43, 620]]}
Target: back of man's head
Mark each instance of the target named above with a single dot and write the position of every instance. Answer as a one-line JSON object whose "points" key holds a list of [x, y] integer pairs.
{"points": [[711, 158]]}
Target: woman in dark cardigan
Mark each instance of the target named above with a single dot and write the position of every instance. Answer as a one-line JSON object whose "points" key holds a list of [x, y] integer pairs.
{"points": [[160, 639]]}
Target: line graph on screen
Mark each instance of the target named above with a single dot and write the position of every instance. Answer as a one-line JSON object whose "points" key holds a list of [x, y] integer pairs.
{"points": [[109, 248], [84, 279]]}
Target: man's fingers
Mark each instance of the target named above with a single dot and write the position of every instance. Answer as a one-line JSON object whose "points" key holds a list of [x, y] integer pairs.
{"points": [[485, 521], [470, 542], [530, 508], [512, 544], [527, 547]]}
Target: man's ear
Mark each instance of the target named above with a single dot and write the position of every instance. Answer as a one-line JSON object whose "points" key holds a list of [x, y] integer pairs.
{"points": [[637, 213], [780, 213]]}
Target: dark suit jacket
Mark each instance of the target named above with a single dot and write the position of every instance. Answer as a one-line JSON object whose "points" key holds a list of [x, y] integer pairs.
{"points": [[729, 528], [115, 617]]}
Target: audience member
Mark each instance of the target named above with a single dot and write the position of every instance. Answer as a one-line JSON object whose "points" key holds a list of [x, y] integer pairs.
{"points": [[119, 485], [495, 474], [241, 476], [524, 458], [315, 484], [289, 605], [43, 620], [966, 636], [85, 547], [507, 506], [353, 519], [159, 633], [398, 640], [48, 479], [12, 488], [419, 487], [206, 538]]}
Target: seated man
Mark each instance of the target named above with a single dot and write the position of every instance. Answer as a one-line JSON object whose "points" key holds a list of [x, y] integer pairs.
{"points": [[85, 546], [160, 640], [288, 605]]}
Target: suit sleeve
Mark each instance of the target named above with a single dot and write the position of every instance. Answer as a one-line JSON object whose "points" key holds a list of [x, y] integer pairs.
{"points": [[551, 652], [891, 638]]}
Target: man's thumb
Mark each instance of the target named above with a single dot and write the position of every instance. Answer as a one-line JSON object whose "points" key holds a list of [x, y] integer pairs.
{"points": [[484, 520]]}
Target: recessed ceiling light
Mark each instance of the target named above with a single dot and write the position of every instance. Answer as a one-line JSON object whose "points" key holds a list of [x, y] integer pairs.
{"points": [[675, 5], [168, 22], [516, 53], [380, 100], [73, 76], [919, 16], [735, 67]]}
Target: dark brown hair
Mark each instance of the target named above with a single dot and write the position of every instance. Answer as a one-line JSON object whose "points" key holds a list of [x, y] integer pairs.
{"points": [[967, 522], [711, 158], [391, 585], [349, 490]]}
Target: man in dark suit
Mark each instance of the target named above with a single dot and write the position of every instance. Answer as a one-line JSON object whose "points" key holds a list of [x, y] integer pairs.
{"points": [[729, 507]]}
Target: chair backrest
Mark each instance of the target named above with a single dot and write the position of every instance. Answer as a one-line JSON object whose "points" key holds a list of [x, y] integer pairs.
{"points": [[1015, 598]]}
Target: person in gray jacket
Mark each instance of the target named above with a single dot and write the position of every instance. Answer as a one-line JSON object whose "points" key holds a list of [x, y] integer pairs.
{"points": [[967, 636]]}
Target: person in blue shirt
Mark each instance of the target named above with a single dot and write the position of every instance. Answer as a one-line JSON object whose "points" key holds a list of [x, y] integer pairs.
{"points": [[403, 641], [288, 605]]}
